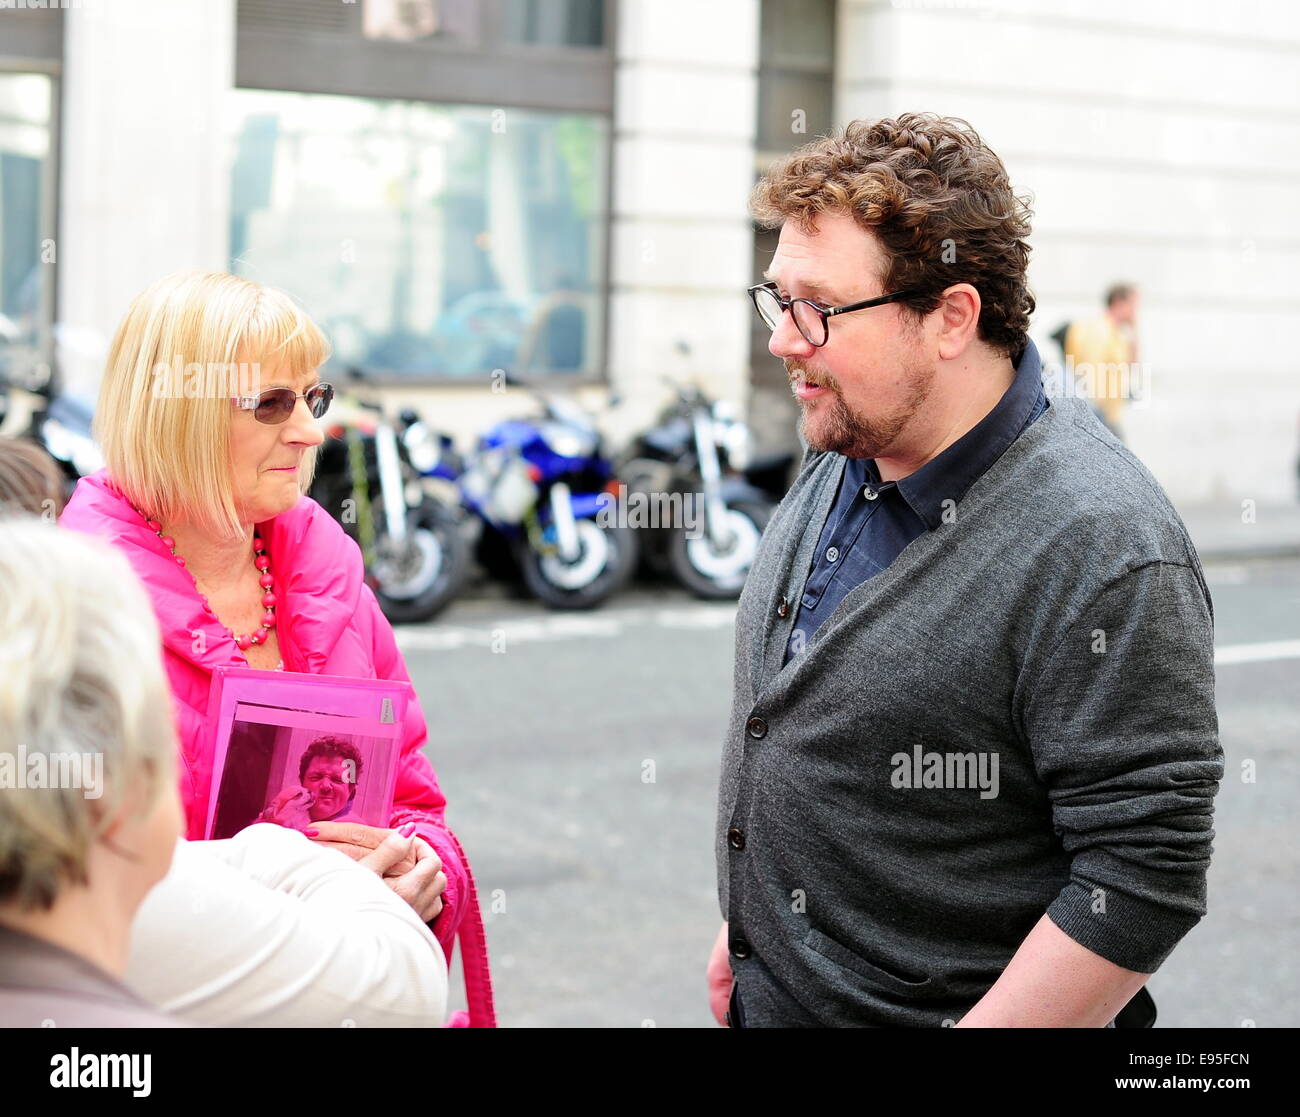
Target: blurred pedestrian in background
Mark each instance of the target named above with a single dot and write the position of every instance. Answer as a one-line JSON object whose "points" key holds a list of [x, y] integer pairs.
{"points": [[1102, 352]]}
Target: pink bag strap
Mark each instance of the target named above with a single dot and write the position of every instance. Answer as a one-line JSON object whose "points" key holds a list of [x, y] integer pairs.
{"points": [[473, 959]]}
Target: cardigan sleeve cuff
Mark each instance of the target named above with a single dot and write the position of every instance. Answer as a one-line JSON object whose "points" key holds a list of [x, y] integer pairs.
{"points": [[1131, 932]]}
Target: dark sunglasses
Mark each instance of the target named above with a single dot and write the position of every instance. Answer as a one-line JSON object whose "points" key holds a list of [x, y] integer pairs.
{"points": [[276, 404]]}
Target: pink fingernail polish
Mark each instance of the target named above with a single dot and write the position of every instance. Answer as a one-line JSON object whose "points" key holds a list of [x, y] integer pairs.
{"points": [[312, 832], [407, 830]]}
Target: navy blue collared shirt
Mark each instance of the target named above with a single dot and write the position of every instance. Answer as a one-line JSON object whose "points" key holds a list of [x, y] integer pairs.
{"points": [[872, 521]]}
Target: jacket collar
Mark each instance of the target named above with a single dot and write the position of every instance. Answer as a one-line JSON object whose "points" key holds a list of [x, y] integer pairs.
{"points": [[318, 576], [29, 962]]}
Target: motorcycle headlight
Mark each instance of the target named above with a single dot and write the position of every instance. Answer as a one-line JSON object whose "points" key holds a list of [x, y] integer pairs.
{"points": [[735, 440], [421, 448], [567, 442]]}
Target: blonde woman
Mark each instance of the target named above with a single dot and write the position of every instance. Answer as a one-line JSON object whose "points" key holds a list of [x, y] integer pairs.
{"points": [[89, 814], [207, 420]]}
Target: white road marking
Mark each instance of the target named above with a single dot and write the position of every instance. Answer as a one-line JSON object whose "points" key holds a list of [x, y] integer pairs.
{"points": [[561, 626], [1257, 653], [706, 616], [612, 623], [1235, 574]]}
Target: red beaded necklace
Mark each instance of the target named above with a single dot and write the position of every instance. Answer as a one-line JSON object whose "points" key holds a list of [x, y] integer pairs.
{"points": [[265, 580]]}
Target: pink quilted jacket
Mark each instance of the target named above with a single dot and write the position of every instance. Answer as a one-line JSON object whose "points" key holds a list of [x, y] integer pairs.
{"points": [[329, 624]]}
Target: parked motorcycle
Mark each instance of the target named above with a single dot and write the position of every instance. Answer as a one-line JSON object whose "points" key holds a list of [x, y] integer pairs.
{"points": [[56, 421], [700, 515], [415, 554], [545, 495]]}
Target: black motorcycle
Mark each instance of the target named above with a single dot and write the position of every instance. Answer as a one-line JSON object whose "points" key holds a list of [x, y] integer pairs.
{"points": [[58, 422], [699, 501], [415, 555]]}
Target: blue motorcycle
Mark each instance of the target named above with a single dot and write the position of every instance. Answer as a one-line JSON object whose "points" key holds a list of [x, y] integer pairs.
{"points": [[547, 498]]}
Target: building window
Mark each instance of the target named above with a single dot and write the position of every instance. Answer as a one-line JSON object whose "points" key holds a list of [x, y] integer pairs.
{"points": [[26, 224], [795, 74], [538, 54], [795, 96], [408, 21], [429, 241], [554, 23]]}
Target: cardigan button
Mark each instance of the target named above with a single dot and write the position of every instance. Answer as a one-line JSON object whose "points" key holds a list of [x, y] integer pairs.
{"points": [[740, 949], [783, 610], [736, 838], [757, 727]]}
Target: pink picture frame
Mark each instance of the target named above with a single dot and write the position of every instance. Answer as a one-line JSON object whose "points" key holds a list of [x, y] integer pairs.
{"points": [[295, 749]]}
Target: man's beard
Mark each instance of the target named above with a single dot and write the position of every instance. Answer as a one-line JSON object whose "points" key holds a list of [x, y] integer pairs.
{"points": [[842, 430]]}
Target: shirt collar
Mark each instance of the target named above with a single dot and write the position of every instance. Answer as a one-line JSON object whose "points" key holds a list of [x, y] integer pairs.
{"points": [[948, 476]]}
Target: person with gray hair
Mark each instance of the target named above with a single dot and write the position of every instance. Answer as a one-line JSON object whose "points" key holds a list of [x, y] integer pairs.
{"points": [[30, 480], [263, 929], [89, 809]]}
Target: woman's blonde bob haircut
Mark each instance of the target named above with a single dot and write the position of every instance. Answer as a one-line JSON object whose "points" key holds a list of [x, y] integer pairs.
{"points": [[164, 412]]}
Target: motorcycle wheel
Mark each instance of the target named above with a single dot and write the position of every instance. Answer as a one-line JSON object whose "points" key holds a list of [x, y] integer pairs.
{"points": [[607, 559], [420, 587], [720, 575]]}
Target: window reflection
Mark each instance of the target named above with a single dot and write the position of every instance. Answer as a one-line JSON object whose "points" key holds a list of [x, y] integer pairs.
{"points": [[411, 20], [427, 239], [26, 279], [560, 23]]}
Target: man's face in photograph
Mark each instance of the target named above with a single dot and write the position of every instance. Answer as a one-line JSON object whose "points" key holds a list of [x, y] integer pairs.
{"points": [[329, 779]]}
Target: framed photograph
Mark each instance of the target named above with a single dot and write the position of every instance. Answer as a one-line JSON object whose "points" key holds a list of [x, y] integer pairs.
{"points": [[296, 749]]}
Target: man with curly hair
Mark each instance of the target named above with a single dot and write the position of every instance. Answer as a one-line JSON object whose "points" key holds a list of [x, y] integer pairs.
{"points": [[328, 771], [973, 750]]}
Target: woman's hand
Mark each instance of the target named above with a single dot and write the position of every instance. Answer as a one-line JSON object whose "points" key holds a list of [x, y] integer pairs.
{"points": [[424, 885], [415, 873], [358, 842], [290, 808]]}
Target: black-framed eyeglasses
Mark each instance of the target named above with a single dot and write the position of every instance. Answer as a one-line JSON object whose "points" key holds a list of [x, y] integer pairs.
{"points": [[275, 405], [811, 318]]}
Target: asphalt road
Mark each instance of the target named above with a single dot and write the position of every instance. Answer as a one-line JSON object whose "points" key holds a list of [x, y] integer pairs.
{"points": [[579, 756]]}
